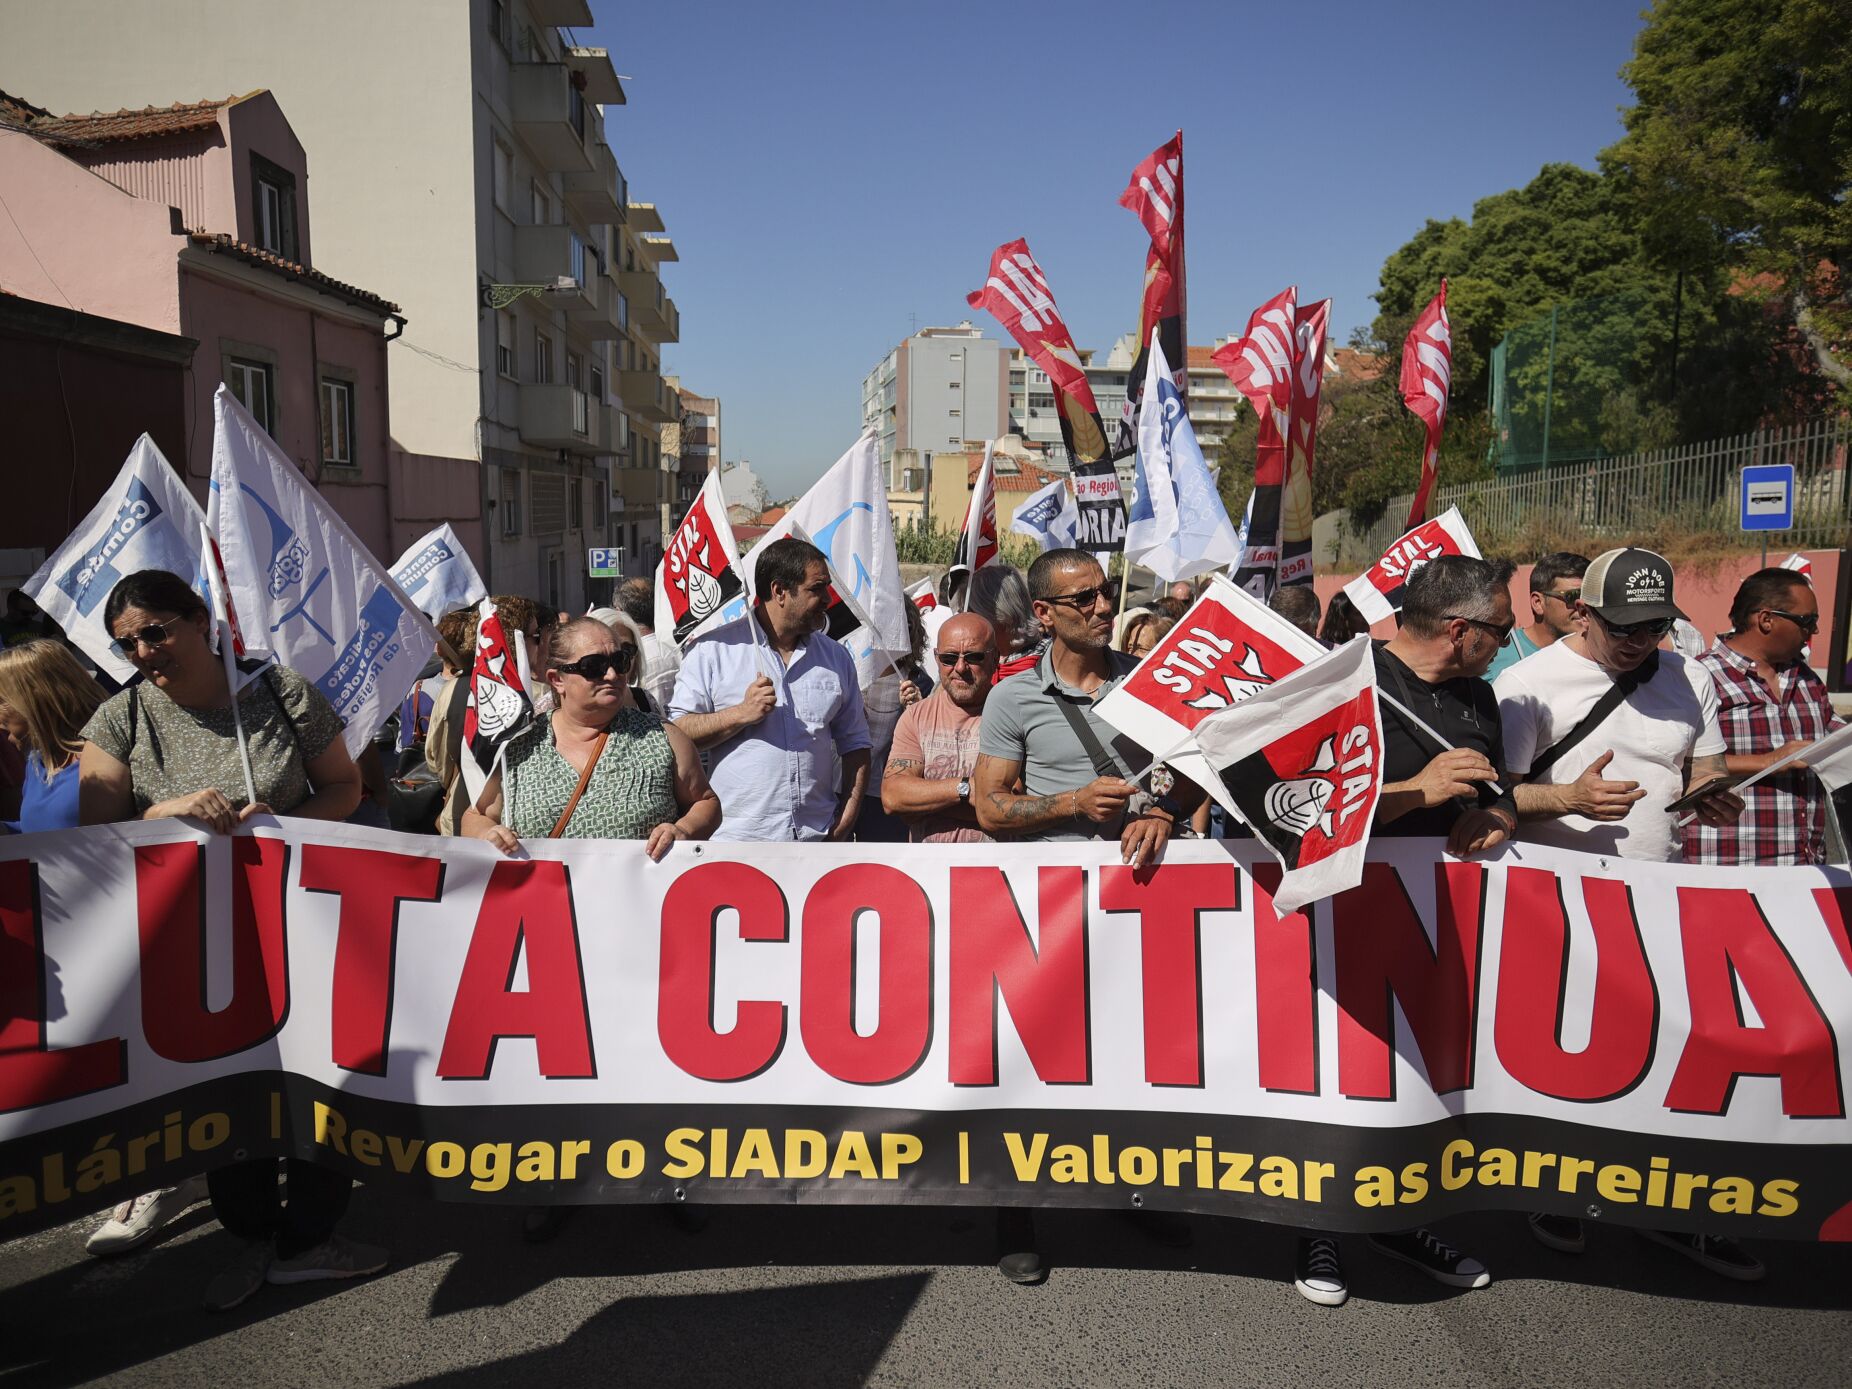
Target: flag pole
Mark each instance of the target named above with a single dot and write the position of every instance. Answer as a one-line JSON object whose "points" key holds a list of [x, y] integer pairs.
{"points": [[231, 684]]}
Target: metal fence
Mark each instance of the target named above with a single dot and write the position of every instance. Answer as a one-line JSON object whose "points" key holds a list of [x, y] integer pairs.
{"points": [[1690, 489]]}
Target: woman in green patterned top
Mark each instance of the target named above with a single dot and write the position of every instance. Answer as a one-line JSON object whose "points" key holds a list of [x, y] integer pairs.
{"points": [[646, 780]]}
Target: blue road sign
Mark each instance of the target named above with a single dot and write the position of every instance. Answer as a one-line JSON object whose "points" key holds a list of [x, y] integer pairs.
{"points": [[1768, 497], [604, 563]]}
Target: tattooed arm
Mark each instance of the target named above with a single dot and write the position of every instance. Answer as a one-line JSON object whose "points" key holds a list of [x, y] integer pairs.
{"points": [[1000, 810], [908, 793]]}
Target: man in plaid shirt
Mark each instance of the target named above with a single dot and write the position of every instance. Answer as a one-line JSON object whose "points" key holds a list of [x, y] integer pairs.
{"points": [[1769, 703]]}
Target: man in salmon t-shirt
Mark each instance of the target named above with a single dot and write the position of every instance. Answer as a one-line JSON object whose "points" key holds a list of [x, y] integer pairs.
{"points": [[928, 778]]}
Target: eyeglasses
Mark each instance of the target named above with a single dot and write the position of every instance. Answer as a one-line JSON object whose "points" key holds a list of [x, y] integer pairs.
{"points": [[1500, 630], [1658, 627], [1807, 622], [1081, 599], [153, 635], [949, 659], [600, 664], [1568, 598]]}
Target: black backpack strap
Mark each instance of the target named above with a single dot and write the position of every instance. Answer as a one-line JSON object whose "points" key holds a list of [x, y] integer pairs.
{"points": [[1104, 763], [1623, 686]]}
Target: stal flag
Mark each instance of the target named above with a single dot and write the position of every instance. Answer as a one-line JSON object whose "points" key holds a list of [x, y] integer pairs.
{"points": [[1155, 195], [1017, 295], [1260, 364], [1377, 591], [1177, 527], [1800, 564], [498, 704], [145, 519], [437, 575], [303, 586], [700, 570], [1225, 648], [1049, 517], [922, 595], [1302, 764], [1310, 322], [1427, 374], [977, 537]]}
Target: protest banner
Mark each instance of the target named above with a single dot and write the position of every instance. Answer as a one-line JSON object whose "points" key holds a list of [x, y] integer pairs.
{"points": [[1032, 1024], [1102, 509], [1377, 591], [436, 574], [1048, 517], [1427, 376]]}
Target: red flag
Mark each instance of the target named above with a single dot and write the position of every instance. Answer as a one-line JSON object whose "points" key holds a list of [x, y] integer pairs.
{"points": [[1427, 374], [1260, 363], [977, 537], [1376, 593], [1155, 194], [700, 570], [499, 703], [1296, 514]]}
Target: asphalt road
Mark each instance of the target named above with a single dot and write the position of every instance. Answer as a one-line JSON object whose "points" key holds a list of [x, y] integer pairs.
{"points": [[841, 1296]]}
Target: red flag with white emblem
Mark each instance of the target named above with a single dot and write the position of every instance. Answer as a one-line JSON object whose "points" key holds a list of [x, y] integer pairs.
{"points": [[1155, 194], [1427, 375], [1377, 591], [977, 537], [1310, 322], [699, 574], [499, 702], [1260, 364]]}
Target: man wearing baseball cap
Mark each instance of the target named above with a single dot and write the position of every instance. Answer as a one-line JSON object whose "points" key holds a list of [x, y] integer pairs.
{"points": [[1603, 732]]}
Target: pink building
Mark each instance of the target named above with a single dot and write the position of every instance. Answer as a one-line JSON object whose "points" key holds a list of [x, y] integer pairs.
{"points": [[193, 220]]}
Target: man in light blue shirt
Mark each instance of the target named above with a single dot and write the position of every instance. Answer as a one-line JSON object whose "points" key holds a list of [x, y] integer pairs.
{"points": [[774, 702], [1555, 584]]}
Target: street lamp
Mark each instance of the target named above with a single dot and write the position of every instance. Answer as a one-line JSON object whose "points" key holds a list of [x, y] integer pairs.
{"points": [[494, 296]]}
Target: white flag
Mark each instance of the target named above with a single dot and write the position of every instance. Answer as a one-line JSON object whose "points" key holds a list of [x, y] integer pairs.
{"points": [[1377, 591], [1049, 517], [1177, 527], [437, 575], [699, 578], [302, 584], [977, 538], [145, 520], [1800, 564]]}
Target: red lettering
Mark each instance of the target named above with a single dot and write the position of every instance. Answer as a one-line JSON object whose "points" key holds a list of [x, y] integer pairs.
{"points": [[1532, 972], [1169, 901], [1285, 991], [826, 1017], [370, 885], [685, 999], [1043, 984], [31, 1073], [170, 913], [527, 905], [1728, 945], [1384, 957], [1832, 902]]}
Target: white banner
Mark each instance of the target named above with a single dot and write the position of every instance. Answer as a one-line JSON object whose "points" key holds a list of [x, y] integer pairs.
{"points": [[302, 584], [1049, 517], [437, 575]]}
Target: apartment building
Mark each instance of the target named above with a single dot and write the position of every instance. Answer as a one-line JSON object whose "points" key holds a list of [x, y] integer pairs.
{"points": [[938, 388], [462, 157], [691, 450]]}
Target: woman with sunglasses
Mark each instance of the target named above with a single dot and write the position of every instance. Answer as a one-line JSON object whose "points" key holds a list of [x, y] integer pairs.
{"points": [[46, 698], [167, 746], [598, 767]]}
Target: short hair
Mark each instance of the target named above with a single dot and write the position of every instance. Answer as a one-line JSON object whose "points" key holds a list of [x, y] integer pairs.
{"points": [[784, 563], [1452, 586], [1172, 608], [636, 598], [1563, 564], [1001, 595], [1298, 604], [153, 591], [1145, 618], [1042, 572], [459, 629], [1766, 588]]}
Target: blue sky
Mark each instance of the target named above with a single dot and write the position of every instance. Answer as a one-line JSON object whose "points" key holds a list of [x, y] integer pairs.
{"points": [[831, 172]]}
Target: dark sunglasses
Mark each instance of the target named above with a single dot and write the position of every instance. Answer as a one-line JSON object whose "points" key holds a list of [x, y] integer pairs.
{"points": [[600, 664], [948, 659], [1658, 627], [1080, 599], [1568, 598], [153, 635], [1809, 622], [1501, 631]]}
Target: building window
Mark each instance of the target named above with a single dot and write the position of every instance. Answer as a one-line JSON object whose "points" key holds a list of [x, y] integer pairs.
{"points": [[273, 208], [543, 207], [504, 176], [597, 387], [338, 424], [572, 369], [254, 385], [511, 501], [504, 345], [601, 505], [498, 22], [575, 501], [543, 358]]}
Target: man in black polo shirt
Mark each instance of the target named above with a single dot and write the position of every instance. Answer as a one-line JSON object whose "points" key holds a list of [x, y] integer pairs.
{"points": [[1437, 780]]}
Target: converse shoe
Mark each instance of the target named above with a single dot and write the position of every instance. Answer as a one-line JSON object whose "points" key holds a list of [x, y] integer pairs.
{"points": [[243, 1277], [1722, 1256], [1320, 1272], [1434, 1257], [1563, 1233], [133, 1223], [334, 1257]]}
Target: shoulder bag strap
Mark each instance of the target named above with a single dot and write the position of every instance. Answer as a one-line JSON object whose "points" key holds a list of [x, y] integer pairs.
{"points": [[1623, 686], [1104, 764], [585, 777]]}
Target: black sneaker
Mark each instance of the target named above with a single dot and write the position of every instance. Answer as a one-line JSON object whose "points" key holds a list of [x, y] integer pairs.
{"points": [[1722, 1256], [1563, 1233], [1434, 1257], [1025, 1267], [1320, 1272]]}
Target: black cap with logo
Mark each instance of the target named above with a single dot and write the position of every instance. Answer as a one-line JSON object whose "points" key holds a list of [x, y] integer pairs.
{"points": [[1628, 586]]}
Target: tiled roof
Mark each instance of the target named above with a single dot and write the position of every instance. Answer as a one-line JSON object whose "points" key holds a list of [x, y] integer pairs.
{"points": [[1201, 358], [221, 244], [772, 515], [141, 123], [19, 113], [1364, 366], [1028, 476]]}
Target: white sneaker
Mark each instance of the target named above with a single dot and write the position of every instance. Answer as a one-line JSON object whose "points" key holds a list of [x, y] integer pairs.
{"points": [[134, 1223]]}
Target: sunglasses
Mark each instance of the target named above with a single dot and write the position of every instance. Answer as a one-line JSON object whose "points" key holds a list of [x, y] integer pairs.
{"points": [[153, 635], [1567, 598], [949, 659], [600, 664], [1501, 631], [1080, 599], [1658, 627], [1808, 622]]}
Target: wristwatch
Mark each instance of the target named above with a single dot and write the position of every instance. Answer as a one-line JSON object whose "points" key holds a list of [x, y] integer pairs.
{"points": [[964, 790]]}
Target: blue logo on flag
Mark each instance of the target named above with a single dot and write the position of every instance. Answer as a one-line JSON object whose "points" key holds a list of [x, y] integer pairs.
{"points": [[89, 581], [354, 674], [416, 573]]}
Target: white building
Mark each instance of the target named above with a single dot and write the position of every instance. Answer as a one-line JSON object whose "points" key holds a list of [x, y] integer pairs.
{"points": [[934, 391], [459, 154]]}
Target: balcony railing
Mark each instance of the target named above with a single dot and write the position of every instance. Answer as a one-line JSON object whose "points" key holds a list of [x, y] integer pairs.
{"points": [[560, 417], [543, 254], [645, 397], [549, 115], [596, 194]]}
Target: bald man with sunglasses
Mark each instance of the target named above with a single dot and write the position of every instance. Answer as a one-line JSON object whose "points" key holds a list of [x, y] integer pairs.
{"points": [[928, 778]]}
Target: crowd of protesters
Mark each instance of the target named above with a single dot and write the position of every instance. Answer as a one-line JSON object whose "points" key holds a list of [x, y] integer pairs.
{"points": [[1567, 721]]}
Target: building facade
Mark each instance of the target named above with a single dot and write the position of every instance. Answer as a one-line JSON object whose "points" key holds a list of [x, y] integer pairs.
{"points": [[934, 391], [691, 450], [462, 159]]}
